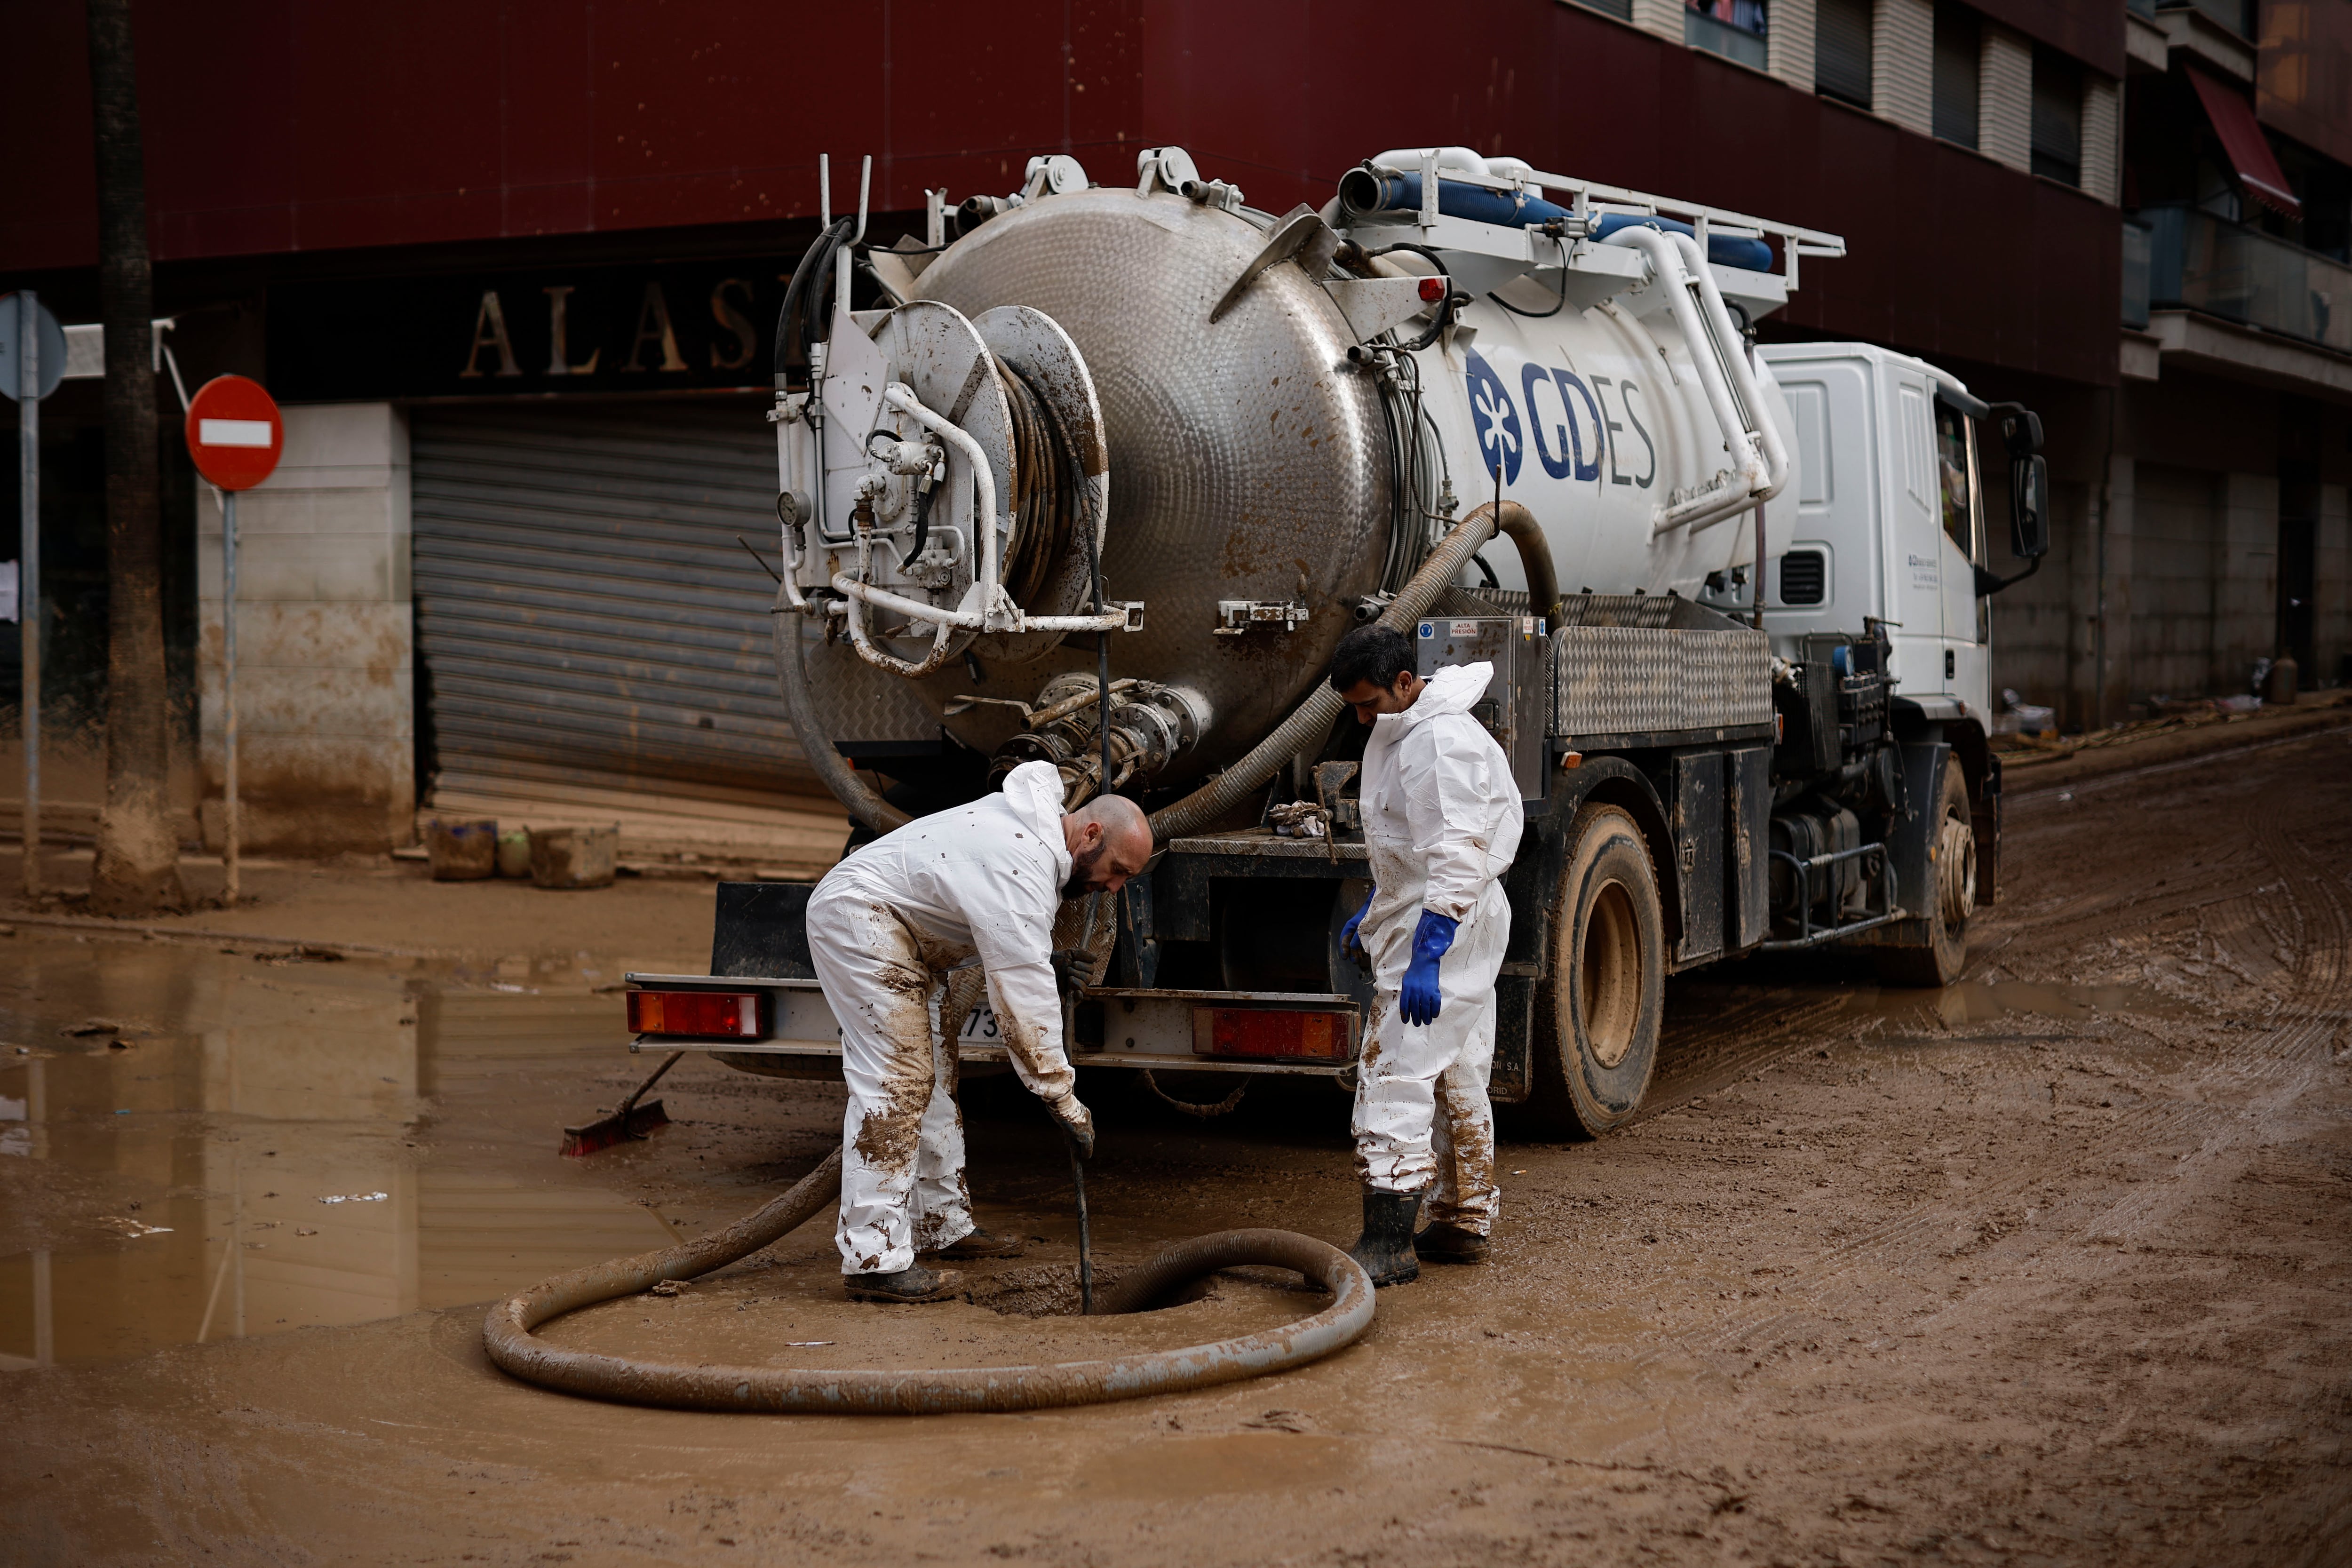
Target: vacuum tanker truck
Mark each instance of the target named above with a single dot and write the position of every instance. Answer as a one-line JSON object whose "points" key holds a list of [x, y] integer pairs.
{"points": [[1098, 475]]}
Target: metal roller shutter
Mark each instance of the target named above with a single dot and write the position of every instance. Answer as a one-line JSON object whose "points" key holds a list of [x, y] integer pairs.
{"points": [[585, 615]]}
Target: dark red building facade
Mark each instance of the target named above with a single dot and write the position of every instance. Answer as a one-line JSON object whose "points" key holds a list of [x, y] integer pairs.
{"points": [[335, 191]]}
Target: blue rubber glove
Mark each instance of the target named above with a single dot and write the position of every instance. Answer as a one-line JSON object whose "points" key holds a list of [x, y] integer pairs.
{"points": [[1417, 999], [1348, 942]]}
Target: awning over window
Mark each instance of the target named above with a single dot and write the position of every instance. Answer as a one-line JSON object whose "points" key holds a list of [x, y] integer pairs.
{"points": [[2257, 165]]}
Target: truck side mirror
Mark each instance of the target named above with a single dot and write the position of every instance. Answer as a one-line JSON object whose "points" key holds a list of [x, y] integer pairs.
{"points": [[2028, 506]]}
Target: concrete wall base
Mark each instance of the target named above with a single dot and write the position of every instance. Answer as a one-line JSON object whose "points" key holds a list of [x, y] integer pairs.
{"points": [[325, 641]]}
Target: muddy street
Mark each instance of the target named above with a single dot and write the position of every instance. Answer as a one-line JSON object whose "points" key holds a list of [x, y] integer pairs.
{"points": [[2051, 1265]]}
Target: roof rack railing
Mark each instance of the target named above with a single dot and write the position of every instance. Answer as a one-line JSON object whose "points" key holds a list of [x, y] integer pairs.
{"points": [[1592, 196]]}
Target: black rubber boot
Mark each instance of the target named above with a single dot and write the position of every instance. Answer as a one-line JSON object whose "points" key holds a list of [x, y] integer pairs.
{"points": [[1385, 1249], [1445, 1242], [908, 1285]]}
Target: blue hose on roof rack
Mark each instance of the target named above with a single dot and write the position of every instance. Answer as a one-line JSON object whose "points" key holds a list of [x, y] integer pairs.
{"points": [[1363, 194]]}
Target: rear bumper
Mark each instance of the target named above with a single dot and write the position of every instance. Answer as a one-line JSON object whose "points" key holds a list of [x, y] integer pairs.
{"points": [[1161, 1030]]}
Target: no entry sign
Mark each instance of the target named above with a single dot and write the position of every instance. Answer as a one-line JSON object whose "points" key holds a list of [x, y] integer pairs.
{"points": [[234, 432]]}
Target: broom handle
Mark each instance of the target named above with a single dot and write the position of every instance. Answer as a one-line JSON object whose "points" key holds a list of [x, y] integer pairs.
{"points": [[630, 1103]]}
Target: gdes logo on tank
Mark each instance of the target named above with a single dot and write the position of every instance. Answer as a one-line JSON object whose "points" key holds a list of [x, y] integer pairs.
{"points": [[1569, 424]]}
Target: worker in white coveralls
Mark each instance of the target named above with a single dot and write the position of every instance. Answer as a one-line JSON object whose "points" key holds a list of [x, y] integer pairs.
{"points": [[1441, 818], [979, 882]]}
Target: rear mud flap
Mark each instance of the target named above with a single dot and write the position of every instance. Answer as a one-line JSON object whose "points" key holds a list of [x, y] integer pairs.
{"points": [[761, 928]]}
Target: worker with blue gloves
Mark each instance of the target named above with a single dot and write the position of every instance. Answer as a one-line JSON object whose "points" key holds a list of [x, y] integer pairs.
{"points": [[1441, 818]]}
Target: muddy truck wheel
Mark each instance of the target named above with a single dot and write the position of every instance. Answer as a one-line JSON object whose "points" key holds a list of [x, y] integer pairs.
{"points": [[1597, 1017], [1953, 852]]}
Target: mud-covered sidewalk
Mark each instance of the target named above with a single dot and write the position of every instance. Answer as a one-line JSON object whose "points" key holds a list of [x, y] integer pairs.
{"points": [[2048, 1267]]}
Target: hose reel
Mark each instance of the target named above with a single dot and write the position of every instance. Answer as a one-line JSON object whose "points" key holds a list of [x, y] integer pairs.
{"points": [[940, 477]]}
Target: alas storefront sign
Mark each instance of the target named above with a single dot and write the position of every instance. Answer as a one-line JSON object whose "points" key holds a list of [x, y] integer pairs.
{"points": [[550, 331]]}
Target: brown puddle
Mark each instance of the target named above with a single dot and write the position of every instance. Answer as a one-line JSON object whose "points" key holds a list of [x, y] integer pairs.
{"points": [[270, 1114]]}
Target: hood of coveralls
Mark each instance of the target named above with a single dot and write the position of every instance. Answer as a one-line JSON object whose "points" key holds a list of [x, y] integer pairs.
{"points": [[1033, 790], [1453, 690]]}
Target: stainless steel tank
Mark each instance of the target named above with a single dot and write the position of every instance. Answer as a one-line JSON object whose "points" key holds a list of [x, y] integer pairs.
{"points": [[1247, 462]]}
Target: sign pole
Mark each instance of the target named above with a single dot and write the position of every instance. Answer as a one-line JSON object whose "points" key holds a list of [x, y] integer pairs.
{"points": [[28, 573], [236, 436], [229, 823]]}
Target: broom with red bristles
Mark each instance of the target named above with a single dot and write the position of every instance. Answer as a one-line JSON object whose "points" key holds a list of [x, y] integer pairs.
{"points": [[630, 1122]]}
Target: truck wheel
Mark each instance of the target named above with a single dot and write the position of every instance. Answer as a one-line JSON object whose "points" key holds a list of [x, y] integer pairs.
{"points": [[1938, 962], [1608, 979]]}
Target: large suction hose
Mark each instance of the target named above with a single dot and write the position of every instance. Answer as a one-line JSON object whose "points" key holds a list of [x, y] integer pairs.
{"points": [[506, 1332], [1518, 525], [792, 680], [1312, 720]]}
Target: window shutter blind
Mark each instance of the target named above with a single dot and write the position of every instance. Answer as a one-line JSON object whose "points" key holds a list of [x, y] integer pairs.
{"points": [[2057, 118], [1958, 61], [1841, 63]]}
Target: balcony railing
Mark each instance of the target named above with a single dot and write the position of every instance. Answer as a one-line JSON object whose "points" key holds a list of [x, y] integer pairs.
{"points": [[1742, 40], [2195, 259]]}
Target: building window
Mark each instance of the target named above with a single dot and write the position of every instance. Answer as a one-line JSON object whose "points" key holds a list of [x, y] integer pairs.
{"points": [[2057, 118], [1732, 28], [1841, 50], [1620, 9], [1960, 56]]}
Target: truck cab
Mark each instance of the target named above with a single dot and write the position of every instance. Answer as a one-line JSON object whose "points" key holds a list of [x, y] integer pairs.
{"points": [[1889, 519]]}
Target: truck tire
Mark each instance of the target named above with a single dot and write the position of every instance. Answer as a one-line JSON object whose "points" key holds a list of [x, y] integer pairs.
{"points": [[1598, 1039], [1953, 853]]}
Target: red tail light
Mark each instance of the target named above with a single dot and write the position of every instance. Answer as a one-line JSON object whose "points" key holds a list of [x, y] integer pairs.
{"points": [[1433, 289], [724, 1014], [1269, 1032]]}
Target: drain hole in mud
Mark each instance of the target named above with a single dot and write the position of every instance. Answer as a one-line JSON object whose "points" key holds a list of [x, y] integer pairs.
{"points": [[1044, 1290]]}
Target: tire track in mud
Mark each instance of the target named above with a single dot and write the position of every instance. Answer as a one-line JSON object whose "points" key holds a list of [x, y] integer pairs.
{"points": [[2095, 917], [2221, 1109], [2100, 913], [2289, 1058], [1733, 1045], [2104, 782]]}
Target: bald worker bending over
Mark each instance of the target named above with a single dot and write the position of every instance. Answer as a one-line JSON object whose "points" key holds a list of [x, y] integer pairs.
{"points": [[980, 881]]}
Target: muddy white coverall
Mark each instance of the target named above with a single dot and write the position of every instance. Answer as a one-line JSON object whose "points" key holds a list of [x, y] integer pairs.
{"points": [[885, 926], [1441, 818]]}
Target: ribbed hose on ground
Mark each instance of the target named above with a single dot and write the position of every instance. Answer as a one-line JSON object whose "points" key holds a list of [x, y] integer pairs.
{"points": [[1313, 719], [506, 1332]]}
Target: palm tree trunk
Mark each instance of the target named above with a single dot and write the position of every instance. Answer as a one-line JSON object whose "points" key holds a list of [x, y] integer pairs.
{"points": [[138, 868]]}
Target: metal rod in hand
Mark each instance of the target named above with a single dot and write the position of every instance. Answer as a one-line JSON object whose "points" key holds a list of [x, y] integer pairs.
{"points": [[230, 825], [1085, 1239], [28, 571]]}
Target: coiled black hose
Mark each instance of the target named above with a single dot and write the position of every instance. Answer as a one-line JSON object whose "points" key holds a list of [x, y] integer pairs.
{"points": [[1044, 501], [506, 1332]]}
